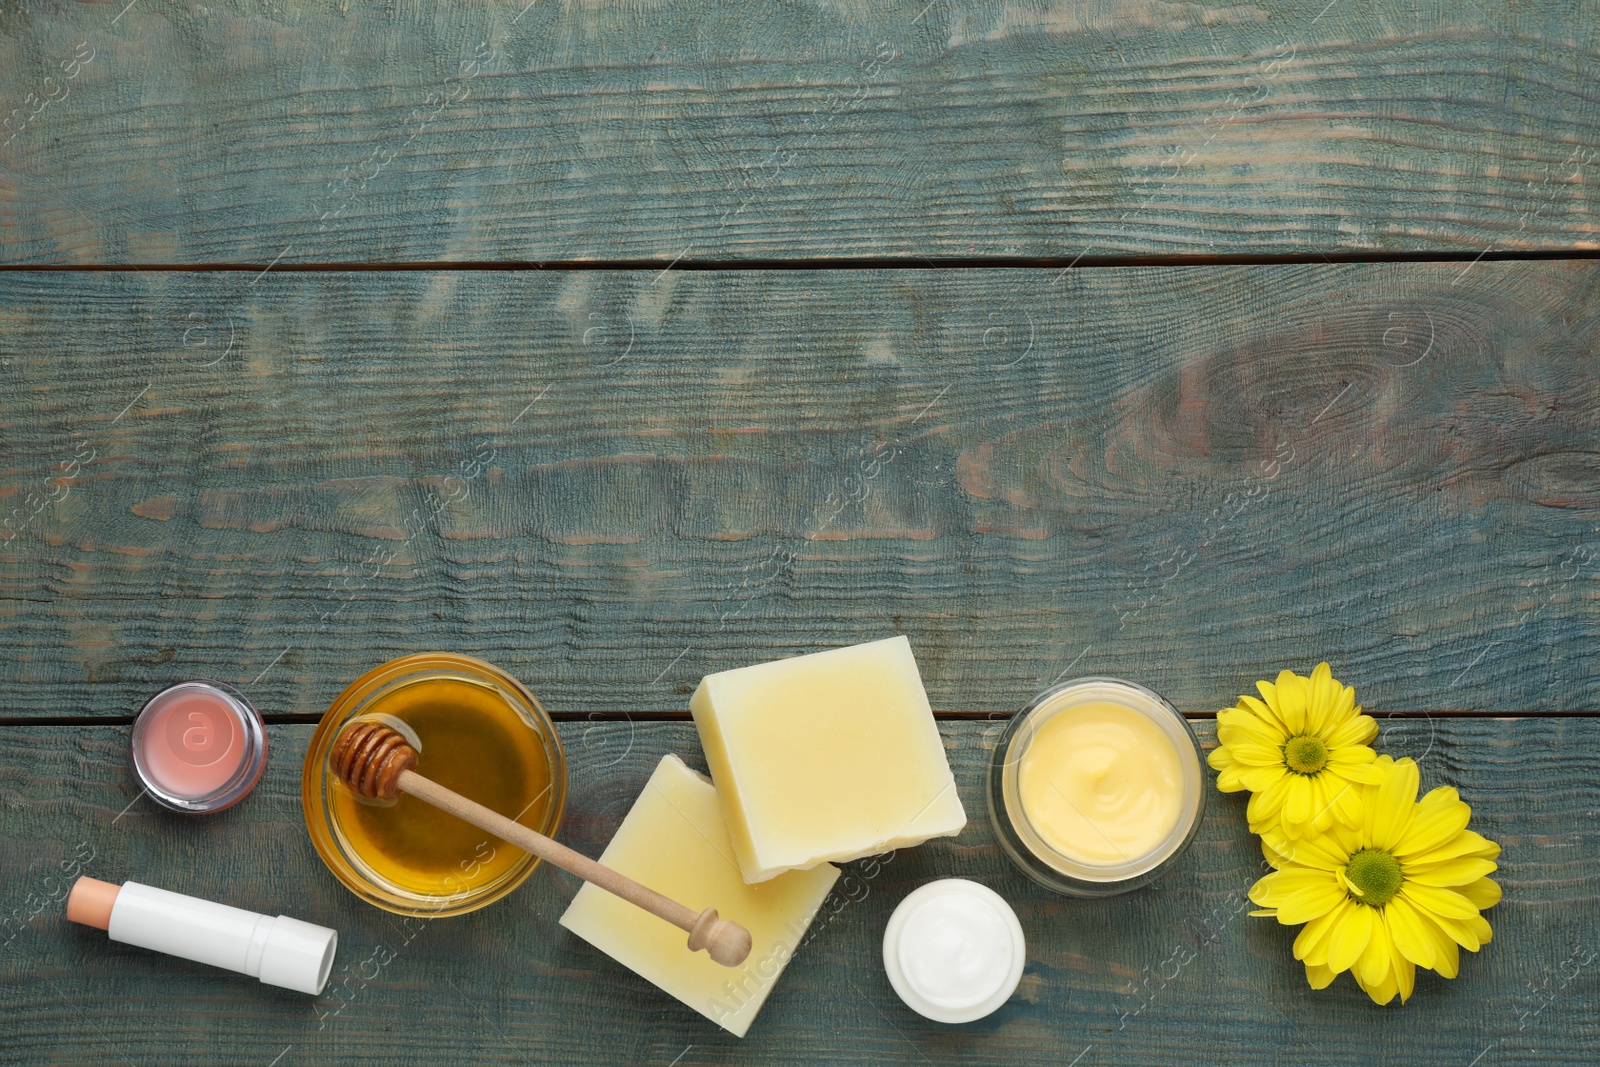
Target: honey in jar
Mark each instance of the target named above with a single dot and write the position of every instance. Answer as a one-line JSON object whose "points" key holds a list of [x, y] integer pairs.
{"points": [[476, 732]]}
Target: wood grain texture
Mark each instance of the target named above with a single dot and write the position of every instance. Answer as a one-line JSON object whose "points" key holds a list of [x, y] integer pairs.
{"points": [[506, 985], [235, 132], [1188, 477]]}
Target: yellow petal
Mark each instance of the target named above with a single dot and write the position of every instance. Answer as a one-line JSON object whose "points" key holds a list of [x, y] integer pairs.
{"points": [[1269, 699], [1377, 960], [1320, 977], [1432, 826], [1406, 930], [1383, 992], [1257, 779], [1279, 884], [1319, 698], [1257, 755], [1438, 903], [1220, 758], [1467, 843], [1349, 733], [1345, 840], [1440, 794], [1291, 706], [1356, 765], [1231, 780], [1312, 939], [1350, 938], [1322, 802], [1453, 873], [1311, 945], [1447, 961], [1237, 733], [1406, 976], [1389, 816], [1356, 753], [1347, 802], [1297, 810], [1265, 807], [1263, 711], [1322, 852], [1242, 725], [1464, 933], [1307, 903], [1343, 708], [1484, 893]]}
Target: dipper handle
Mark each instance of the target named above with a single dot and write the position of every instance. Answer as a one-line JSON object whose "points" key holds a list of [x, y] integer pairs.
{"points": [[375, 760]]}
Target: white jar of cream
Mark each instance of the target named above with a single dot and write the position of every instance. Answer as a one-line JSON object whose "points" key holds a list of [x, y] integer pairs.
{"points": [[954, 950]]}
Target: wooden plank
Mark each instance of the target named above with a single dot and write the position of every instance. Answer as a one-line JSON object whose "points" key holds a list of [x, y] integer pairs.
{"points": [[1191, 477], [505, 985], [1101, 128]]}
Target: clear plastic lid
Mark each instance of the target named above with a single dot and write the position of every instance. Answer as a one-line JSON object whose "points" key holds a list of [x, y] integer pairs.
{"points": [[199, 747]]}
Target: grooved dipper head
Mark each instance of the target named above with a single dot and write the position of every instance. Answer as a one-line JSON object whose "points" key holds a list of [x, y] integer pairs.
{"points": [[369, 756]]}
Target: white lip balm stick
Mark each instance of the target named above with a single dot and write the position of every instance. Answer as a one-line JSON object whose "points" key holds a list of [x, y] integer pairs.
{"points": [[279, 950]]}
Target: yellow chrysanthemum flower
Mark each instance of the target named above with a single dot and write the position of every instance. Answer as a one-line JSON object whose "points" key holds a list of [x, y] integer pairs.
{"points": [[1300, 750], [1400, 890]]}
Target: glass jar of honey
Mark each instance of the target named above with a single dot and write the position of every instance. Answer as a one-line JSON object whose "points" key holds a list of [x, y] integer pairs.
{"points": [[476, 731]]}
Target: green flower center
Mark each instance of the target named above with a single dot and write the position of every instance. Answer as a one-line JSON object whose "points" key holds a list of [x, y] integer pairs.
{"points": [[1374, 876], [1305, 754]]}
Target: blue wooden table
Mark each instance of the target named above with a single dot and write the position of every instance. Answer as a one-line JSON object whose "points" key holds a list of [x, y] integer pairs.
{"points": [[620, 343]]}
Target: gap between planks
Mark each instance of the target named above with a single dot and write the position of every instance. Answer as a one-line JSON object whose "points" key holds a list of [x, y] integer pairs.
{"points": [[829, 263], [683, 716]]}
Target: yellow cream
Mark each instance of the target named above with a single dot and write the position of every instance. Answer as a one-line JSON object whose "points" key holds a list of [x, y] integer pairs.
{"points": [[1101, 783]]}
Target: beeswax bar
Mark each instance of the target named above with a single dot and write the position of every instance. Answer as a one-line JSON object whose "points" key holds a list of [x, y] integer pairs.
{"points": [[831, 756], [674, 841]]}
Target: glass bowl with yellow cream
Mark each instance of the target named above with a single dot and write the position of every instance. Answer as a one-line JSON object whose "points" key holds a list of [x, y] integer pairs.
{"points": [[476, 731], [1095, 787]]}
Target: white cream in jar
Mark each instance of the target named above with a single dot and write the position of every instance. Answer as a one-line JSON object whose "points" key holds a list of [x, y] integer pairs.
{"points": [[954, 950]]}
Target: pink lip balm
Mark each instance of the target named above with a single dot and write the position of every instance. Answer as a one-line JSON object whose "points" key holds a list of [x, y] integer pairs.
{"points": [[199, 747]]}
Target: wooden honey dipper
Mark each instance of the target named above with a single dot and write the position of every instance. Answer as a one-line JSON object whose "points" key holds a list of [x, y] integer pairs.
{"points": [[376, 760]]}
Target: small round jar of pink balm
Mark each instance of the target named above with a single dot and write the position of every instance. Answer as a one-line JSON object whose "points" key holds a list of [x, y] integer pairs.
{"points": [[199, 747]]}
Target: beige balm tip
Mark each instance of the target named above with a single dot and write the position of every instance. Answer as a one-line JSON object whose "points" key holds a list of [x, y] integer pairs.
{"points": [[90, 902]]}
